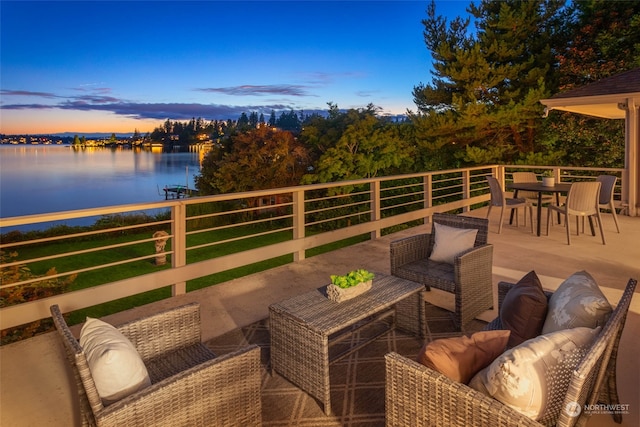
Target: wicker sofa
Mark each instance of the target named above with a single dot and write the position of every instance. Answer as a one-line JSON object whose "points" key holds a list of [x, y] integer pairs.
{"points": [[190, 386], [419, 396]]}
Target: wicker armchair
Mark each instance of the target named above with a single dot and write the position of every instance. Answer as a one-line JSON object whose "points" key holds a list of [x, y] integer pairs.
{"points": [[469, 278], [418, 396], [190, 386]]}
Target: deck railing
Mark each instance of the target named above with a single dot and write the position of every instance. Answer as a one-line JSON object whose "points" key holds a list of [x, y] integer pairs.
{"points": [[208, 235]]}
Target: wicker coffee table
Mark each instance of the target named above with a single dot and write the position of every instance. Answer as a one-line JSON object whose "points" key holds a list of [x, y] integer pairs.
{"points": [[304, 328]]}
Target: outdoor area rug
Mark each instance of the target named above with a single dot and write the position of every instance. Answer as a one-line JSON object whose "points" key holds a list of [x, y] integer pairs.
{"points": [[357, 381]]}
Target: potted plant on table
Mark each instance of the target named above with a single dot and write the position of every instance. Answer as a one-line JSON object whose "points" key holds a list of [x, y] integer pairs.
{"points": [[547, 178], [350, 285]]}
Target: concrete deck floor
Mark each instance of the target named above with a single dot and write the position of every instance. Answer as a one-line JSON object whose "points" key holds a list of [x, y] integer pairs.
{"points": [[35, 389]]}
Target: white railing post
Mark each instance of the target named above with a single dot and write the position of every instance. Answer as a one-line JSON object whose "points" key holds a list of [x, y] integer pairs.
{"points": [[500, 174], [375, 208], [179, 244], [428, 193], [466, 187], [298, 222]]}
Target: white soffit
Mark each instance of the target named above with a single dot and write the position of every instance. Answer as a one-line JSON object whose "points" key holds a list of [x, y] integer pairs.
{"points": [[605, 106]]}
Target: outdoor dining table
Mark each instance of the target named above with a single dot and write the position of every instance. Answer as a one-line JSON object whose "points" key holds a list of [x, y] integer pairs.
{"points": [[539, 188]]}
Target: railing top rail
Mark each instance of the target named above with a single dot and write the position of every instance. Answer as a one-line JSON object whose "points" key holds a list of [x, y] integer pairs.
{"points": [[82, 213], [99, 211]]}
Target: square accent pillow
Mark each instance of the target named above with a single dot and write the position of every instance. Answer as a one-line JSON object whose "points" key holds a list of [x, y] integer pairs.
{"points": [[578, 301], [526, 376], [450, 242], [115, 365], [460, 358], [524, 309]]}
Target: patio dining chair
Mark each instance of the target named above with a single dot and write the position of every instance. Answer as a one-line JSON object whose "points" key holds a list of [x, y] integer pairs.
{"points": [[498, 199], [530, 196], [608, 183], [583, 200], [187, 384], [467, 275]]}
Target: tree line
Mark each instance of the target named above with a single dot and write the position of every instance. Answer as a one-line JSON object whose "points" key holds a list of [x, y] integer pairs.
{"points": [[481, 105]]}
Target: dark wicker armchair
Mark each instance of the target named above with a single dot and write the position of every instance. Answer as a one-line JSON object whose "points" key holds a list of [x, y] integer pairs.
{"points": [[418, 396], [190, 386], [469, 278]]}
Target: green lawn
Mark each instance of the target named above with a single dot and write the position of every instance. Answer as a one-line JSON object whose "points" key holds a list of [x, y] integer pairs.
{"points": [[142, 267]]}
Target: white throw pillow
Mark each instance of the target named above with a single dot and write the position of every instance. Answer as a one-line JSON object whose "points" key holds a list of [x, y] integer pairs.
{"points": [[578, 301], [450, 242], [528, 376], [115, 365]]}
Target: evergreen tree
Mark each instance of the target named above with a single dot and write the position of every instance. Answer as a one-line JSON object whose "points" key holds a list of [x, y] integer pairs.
{"points": [[243, 122], [605, 40], [487, 84], [253, 120]]}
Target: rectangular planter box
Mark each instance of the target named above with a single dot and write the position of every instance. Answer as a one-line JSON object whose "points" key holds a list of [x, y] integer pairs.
{"points": [[338, 294]]}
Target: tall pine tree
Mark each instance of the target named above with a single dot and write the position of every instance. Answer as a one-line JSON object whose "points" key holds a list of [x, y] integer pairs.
{"points": [[488, 82], [605, 40]]}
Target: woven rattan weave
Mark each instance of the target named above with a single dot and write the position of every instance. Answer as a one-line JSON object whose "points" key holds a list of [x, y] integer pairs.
{"points": [[304, 327], [190, 386], [469, 278], [418, 396]]}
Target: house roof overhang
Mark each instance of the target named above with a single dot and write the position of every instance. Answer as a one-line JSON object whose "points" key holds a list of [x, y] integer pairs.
{"points": [[606, 98], [611, 106], [614, 97]]}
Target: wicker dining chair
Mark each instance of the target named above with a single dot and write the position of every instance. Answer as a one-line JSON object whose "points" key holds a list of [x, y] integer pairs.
{"points": [[190, 386], [417, 396], [469, 278], [583, 201], [498, 199], [608, 183]]}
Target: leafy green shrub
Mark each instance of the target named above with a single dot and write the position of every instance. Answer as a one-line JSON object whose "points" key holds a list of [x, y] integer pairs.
{"points": [[19, 294], [352, 278]]}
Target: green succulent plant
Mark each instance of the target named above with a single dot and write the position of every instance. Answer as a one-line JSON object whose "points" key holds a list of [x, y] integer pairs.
{"points": [[352, 278]]}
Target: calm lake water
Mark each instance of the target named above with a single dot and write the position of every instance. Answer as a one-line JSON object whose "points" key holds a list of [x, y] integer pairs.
{"points": [[50, 178]]}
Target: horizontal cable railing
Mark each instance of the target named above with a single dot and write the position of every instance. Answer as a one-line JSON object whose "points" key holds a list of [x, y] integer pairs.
{"points": [[123, 253]]}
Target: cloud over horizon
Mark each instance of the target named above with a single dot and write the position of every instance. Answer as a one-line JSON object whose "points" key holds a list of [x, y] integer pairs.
{"points": [[173, 111], [260, 90]]}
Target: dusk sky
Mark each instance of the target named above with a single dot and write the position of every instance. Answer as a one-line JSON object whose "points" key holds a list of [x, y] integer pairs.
{"points": [[106, 66]]}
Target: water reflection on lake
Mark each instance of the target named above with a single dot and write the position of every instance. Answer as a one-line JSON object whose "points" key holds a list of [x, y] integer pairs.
{"points": [[48, 178]]}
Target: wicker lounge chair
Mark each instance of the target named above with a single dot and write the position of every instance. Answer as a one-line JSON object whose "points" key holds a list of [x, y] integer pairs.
{"points": [[499, 200], [419, 396], [190, 386], [469, 278]]}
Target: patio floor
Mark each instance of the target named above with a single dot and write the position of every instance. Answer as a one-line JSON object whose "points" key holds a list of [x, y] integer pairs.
{"points": [[35, 389]]}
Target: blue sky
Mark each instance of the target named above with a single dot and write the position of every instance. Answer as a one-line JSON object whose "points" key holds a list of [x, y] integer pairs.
{"points": [[106, 66]]}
